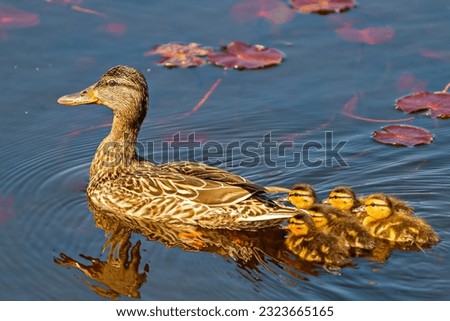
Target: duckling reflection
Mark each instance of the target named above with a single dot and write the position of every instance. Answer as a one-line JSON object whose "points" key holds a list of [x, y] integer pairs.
{"points": [[118, 275], [381, 220]]}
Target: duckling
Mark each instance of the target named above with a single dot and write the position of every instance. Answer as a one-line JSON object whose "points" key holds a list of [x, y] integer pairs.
{"points": [[179, 192], [331, 220], [400, 206], [312, 245], [343, 198], [302, 196], [381, 220]]}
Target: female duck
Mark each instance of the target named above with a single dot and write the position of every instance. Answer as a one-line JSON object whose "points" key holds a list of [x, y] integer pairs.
{"points": [[187, 192], [381, 220]]}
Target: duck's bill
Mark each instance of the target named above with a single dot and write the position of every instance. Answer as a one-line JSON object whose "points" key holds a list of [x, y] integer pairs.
{"points": [[83, 97]]}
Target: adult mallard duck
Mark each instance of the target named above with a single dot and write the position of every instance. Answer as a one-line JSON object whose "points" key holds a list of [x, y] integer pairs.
{"points": [[187, 192], [382, 221]]}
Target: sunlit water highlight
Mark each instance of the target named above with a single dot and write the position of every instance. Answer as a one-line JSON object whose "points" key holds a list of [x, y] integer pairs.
{"points": [[46, 149]]}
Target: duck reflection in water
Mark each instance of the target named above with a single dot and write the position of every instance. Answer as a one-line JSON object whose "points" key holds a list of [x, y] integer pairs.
{"points": [[119, 274], [122, 273]]}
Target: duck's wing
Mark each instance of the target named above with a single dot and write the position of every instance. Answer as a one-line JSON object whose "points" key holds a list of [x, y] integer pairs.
{"points": [[161, 182], [210, 173]]}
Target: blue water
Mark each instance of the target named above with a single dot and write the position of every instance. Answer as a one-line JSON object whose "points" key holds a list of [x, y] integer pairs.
{"points": [[47, 148]]}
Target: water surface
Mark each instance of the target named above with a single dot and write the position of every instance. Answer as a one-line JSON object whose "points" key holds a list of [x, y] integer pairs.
{"points": [[46, 148]]}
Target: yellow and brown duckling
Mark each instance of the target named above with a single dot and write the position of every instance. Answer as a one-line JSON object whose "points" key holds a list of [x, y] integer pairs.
{"points": [[179, 192], [346, 227], [302, 196], [343, 198], [400, 206], [382, 221], [313, 245]]}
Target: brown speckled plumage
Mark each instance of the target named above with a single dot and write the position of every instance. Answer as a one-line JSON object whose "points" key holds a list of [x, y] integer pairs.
{"points": [[185, 192]]}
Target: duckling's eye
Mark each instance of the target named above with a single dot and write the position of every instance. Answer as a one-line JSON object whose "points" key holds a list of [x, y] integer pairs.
{"points": [[337, 197], [112, 83]]}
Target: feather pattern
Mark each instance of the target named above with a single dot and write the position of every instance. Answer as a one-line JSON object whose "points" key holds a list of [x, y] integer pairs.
{"points": [[186, 192]]}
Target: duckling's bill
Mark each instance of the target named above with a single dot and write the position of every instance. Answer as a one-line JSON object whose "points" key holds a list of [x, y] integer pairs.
{"points": [[84, 97]]}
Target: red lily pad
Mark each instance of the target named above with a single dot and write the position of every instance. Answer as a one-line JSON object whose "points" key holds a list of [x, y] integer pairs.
{"points": [[180, 55], [275, 11], [369, 36], [437, 104], [240, 55], [323, 6], [403, 135], [11, 18]]}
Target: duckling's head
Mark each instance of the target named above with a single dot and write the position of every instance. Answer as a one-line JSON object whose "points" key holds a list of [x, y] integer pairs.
{"points": [[302, 196], [320, 215], [300, 225], [123, 89], [378, 206], [343, 198]]}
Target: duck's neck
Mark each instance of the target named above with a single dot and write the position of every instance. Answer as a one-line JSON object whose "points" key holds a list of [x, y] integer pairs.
{"points": [[116, 153]]}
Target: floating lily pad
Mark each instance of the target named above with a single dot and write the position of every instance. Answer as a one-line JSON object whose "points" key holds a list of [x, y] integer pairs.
{"points": [[180, 55], [323, 6], [11, 18], [437, 104], [369, 36], [275, 11], [402, 135], [239, 55]]}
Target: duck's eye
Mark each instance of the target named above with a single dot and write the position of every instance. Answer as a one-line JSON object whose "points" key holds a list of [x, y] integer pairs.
{"points": [[112, 83]]}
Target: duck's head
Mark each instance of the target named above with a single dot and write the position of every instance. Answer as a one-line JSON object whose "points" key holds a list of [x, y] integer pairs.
{"points": [[300, 225], [302, 196], [343, 198], [123, 89], [378, 206]]}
